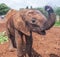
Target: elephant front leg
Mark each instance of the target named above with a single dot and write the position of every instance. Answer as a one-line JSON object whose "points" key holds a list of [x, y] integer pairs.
{"points": [[19, 43], [29, 42]]}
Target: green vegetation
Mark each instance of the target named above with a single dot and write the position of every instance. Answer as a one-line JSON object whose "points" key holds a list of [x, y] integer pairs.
{"points": [[57, 23], [3, 38], [57, 11], [3, 9]]}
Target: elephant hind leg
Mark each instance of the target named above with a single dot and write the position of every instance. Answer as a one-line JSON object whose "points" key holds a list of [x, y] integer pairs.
{"points": [[12, 42]]}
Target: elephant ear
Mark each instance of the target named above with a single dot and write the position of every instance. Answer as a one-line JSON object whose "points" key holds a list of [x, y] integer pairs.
{"points": [[20, 25]]}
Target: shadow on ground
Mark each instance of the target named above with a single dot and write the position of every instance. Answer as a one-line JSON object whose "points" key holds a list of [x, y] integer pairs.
{"points": [[53, 55]]}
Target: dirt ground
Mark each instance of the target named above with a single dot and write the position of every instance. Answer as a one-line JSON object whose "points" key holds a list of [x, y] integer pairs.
{"points": [[43, 46]]}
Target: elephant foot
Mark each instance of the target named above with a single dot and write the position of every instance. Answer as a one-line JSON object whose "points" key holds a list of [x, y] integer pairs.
{"points": [[20, 56], [11, 49]]}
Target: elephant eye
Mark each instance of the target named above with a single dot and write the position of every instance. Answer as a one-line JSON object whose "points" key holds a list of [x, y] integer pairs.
{"points": [[33, 20]]}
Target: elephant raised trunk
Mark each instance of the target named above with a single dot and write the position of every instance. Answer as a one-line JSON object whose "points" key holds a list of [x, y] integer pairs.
{"points": [[51, 18]]}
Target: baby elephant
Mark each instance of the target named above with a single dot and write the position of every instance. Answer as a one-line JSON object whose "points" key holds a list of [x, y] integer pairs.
{"points": [[21, 24]]}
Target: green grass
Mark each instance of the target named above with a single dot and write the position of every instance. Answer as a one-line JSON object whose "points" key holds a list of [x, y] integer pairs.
{"points": [[3, 38], [57, 23]]}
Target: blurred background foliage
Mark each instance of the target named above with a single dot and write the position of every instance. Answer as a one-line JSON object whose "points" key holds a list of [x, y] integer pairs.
{"points": [[3, 37], [4, 9]]}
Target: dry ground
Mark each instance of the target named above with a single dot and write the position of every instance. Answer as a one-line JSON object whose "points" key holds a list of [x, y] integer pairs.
{"points": [[43, 46]]}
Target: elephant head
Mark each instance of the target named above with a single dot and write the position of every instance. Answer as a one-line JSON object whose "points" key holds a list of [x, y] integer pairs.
{"points": [[33, 20], [30, 20]]}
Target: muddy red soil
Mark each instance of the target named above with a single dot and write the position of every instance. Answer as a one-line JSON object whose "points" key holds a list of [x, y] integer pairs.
{"points": [[43, 46]]}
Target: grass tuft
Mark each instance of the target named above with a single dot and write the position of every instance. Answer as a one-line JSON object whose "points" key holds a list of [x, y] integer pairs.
{"points": [[57, 23], [3, 37]]}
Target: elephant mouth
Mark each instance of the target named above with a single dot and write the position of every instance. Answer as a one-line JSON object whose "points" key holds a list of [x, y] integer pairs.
{"points": [[39, 31], [36, 28], [42, 32]]}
